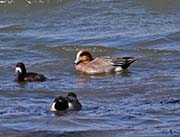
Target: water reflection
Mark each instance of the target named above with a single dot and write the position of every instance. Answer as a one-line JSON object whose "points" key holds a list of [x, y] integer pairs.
{"points": [[59, 113], [21, 84], [83, 78]]}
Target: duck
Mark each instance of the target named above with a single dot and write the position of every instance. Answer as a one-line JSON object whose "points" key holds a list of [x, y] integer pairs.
{"points": [[66, 103], [85, 63], [23, 75]]}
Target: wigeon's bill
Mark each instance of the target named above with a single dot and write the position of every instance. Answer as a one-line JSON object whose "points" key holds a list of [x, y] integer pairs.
{"points": [[83, 56], [22, 75], [76, 61], [87, 64], [77, 58]]}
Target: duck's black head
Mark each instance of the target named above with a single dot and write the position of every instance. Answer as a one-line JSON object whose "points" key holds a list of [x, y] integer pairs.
{"points": [[59, 104], [20, 69], [71, 94]]}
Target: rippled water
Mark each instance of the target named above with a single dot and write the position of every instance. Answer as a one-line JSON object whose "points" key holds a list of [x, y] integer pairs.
{"points": [[45, 35]]}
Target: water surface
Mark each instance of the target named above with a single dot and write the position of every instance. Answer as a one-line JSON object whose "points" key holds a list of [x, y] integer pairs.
{"points": [[143, 101]]}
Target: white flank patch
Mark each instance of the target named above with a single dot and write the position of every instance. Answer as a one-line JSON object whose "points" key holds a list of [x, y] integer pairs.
{"points": [[2, 2], [118, 69], [29, 2], [18, 70], [70, 106], [53, 107]]}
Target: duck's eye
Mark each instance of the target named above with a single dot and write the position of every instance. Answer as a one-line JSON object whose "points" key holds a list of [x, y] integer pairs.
{"points": [[60, 101], [18, 70]]}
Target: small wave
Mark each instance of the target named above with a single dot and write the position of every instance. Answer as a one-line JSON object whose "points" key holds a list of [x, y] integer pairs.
{"points": [[165, 43], [90, 48], [12, 28], [71, 50], [29, 2]]}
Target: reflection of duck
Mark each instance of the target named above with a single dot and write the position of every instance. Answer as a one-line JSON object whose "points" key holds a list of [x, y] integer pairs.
{"points": [[70, 102], [22, 75], [85, 63]]}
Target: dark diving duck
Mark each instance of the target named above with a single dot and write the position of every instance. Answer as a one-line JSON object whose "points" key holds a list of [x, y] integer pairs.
{"points": [[67, 103], [23, 75]]}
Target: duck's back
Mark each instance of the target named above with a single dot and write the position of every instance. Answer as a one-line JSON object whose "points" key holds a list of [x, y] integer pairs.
{"points": [[74, 104], [31, 76]]}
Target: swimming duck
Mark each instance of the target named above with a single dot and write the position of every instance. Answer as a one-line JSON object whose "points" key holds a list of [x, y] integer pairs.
{"points": [[69, 102], [84, 62], [22, 75]]}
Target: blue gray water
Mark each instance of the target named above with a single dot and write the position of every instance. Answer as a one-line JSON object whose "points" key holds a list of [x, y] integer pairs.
{"points": [[45, 35]]}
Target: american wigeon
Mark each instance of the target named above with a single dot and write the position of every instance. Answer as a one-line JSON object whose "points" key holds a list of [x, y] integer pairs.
{"points": [[84, 62], [22, 75], [69, 102]]}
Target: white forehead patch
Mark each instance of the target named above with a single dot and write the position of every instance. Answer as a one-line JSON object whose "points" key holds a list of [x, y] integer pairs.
{"points": [[18, 70], [78, 54], [77, 57]]}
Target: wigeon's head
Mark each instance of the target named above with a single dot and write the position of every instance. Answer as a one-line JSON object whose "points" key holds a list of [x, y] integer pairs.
{"points": [[20, 69], [83, 57]]}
